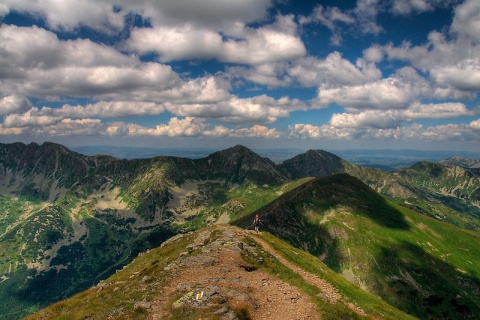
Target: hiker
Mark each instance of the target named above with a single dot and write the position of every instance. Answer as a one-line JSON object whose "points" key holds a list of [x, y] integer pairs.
{"points": [[256, 223]]}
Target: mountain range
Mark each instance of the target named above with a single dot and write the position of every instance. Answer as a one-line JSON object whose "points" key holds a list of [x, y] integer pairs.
{"points": [[70, 221]]}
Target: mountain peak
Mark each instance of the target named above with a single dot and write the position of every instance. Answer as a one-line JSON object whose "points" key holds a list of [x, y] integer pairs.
{"points": [[239, 163], [313, 163], [238, 150]]}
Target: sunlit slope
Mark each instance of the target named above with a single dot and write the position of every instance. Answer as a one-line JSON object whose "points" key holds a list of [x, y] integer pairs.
{"points": [[418, 264]]}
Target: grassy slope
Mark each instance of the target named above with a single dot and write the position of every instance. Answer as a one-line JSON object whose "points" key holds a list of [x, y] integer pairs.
{"points": [[445, 192], [371, 304], [118, 294], [418, 264]]}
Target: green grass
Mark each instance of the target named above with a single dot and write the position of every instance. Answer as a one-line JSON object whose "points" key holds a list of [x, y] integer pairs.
{"points": [[370, 304]]}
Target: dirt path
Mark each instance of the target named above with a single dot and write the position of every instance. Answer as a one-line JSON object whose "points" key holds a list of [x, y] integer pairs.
{"points": [[330, 293], [217, 275]]}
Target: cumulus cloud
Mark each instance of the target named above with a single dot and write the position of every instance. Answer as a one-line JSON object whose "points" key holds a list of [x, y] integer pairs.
{"points": [[475, 124], [14, 104], [107, 109], [69, 127], [101, 16], [37, 63], [450, 62], [267, 74], [373, 54], [451, 132], [176, 42], [387, 93], [466, 22], [332, 71], [208, 89], [191, 127], [257, 131], [409, 6], [33, 118], [256, 109], [276, 42], [447, 110], [109, 16]]}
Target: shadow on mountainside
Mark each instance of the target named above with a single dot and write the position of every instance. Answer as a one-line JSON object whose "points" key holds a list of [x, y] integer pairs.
{"points": [[423, 285], [348, 191], [295, 216]]}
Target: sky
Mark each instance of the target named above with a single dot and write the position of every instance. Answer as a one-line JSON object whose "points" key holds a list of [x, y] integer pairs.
{"points": [[338, 74]]}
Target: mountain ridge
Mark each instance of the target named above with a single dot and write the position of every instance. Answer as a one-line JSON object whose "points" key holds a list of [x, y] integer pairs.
{"points": [[221, 272], [72, 220]]}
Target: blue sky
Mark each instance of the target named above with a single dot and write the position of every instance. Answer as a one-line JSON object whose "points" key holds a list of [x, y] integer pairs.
{"points": [[362, 74]]}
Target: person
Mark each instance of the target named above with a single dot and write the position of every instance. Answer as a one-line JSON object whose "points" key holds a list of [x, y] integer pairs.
{"points": [[256, 223]]}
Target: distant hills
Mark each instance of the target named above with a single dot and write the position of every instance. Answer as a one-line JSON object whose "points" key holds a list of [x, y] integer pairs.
{"points": [[68, 220], [385, 159]]}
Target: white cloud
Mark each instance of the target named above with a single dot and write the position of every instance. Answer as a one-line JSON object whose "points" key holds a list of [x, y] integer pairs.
{"points": [[388, 119], [109, 15], [453, 63], [257, 109], [387, 93], [70, 14], [192, 127], [176, 42], [36, 63], [107, 109], [414, 132], [475, 124], [32, 118], [257, 131], [369, 118], [270, 43], [4, 10], [466, 22], [331, 17], [463, 76], [209, 89], [332, 71], [181, 127], [328, 16], [14, 104], [366, 12], [373, 54], [268, 74], [447, 110], [69, 127], [409, 6]]}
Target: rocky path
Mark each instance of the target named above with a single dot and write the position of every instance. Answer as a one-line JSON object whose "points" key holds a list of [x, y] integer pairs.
{"points": [[219, 280], [329, 292]]}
